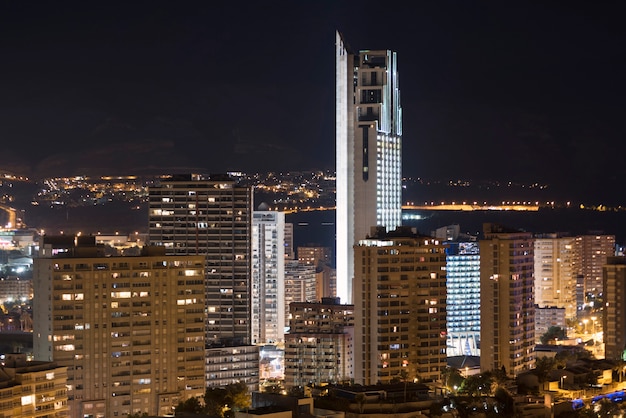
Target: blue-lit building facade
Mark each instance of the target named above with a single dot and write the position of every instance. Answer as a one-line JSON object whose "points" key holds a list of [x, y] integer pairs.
{"points": [[463, 302]]}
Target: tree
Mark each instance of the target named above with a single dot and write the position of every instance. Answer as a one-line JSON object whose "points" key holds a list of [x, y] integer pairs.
{"points": [[191, 405], [543, 367], [504, 402], [552, 334], [237, 396], [499, 378], [618, 370], [452, 377], [436, 409], [477, 385], [215, 401]]}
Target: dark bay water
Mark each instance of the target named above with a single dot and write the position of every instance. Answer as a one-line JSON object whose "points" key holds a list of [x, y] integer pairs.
{"points": [[319, 227]]}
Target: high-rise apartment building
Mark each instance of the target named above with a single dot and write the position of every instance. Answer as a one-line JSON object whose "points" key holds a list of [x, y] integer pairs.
{"points": [[614, 316], [368, 142], [312, 255], [300, 284], [555, 279], [268, 277], [325, 281], [129, 330], [507, 334], [212, 216], [590, 254], [399, 307], [463, 301], [319, 345], [326, 277]]}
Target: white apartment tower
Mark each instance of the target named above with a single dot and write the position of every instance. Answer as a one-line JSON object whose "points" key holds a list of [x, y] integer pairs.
{"points": [[369, 143], [268, 277], [555, 280]]}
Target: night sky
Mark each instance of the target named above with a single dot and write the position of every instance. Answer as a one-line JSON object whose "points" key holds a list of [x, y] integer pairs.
{"points": [[521, 91]]}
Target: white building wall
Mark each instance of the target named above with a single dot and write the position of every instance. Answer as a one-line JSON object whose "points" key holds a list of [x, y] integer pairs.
{"points": [[555, 281], [344, 169], [268, 277]]}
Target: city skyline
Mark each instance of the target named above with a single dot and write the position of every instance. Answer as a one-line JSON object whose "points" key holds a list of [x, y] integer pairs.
{"points": [[212, 88]]}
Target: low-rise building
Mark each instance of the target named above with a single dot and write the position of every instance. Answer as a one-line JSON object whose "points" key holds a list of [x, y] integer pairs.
{"points": [[32, 388]]}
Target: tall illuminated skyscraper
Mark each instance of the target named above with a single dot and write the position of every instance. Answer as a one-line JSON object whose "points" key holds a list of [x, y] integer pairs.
{"points": [[368, 141]]}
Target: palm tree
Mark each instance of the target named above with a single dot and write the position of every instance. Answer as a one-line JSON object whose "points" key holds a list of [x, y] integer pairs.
{"points": [[452, 377]]}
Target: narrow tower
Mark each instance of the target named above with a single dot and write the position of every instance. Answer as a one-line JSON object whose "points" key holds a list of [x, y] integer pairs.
{"points": [[368, 141], [507, 300], [268, 277]]}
